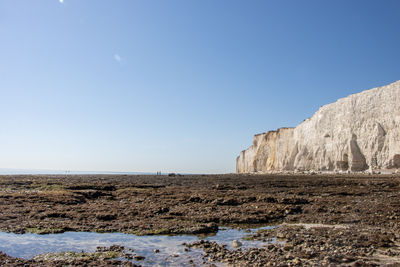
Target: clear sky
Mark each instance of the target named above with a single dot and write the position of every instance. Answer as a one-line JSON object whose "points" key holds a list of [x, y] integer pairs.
{"points": [[177, 85]]}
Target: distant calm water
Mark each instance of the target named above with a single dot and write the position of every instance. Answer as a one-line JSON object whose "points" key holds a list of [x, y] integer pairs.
{"points": [[28, 171]]}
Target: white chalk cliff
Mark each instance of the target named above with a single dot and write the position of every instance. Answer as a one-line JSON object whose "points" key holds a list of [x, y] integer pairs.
{"points": [[356, 133]]}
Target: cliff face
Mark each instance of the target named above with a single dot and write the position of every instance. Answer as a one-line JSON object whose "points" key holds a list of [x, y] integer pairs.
{"points": [[356, 133]]}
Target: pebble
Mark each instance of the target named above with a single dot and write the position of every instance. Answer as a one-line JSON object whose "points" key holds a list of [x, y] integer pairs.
{"points": [[139, 258], [236, 244]]}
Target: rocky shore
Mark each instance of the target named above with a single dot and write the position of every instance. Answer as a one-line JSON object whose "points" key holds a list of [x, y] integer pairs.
{"points": [[330, 220]]}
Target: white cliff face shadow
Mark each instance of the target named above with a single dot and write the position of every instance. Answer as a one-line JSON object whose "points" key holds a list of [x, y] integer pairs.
{"points": [[29, 245]]}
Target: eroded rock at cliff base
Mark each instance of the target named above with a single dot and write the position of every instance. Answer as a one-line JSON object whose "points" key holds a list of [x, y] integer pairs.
{"points": [[356, 133]]}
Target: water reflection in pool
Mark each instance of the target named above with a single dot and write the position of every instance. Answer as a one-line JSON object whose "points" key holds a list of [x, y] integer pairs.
{"points": [[29, 245]]}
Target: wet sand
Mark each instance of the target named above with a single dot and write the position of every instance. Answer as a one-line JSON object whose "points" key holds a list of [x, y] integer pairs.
{"points": [[365, 210]]}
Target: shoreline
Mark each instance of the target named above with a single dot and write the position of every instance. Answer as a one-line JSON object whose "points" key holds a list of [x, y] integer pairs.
{"points": [[199, 204]]}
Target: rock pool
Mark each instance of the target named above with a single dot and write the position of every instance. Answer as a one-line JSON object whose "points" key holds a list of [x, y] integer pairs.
{"points": [[170, 248]]}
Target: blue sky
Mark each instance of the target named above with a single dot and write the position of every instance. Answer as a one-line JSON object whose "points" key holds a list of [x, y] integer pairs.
{"points": [[177, 85]]}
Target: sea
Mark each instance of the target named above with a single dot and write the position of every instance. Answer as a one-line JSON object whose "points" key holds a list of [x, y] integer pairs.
{"points": [[6, 171]]}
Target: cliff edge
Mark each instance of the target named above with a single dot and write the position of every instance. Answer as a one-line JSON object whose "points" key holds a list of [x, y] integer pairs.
{"points": [[356, 133]]}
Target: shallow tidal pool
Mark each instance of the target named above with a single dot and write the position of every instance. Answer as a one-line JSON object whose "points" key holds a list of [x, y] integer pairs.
{"points": [[170, 250]]}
